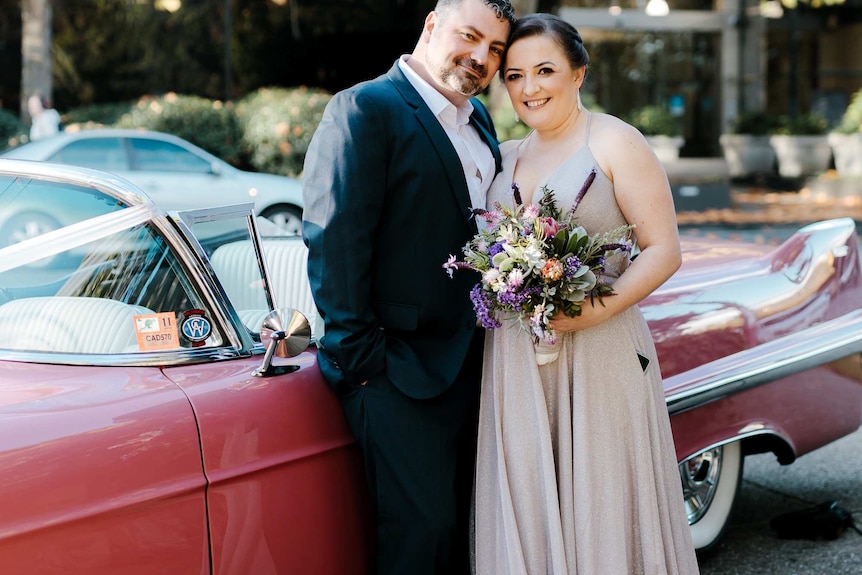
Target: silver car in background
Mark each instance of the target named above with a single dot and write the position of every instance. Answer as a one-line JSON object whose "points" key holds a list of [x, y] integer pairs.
{"points": [[175, 173]]}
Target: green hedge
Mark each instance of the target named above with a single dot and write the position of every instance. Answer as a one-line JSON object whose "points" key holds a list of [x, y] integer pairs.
{"points": [[851, 121], [655, 121], [268, 130], [277, 125], [210, 124], [12, 129]]}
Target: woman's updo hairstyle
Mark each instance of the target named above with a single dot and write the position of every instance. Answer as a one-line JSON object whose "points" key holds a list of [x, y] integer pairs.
{"points": [[564, 34]]}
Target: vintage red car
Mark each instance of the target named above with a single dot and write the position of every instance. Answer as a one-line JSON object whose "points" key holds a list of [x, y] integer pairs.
{"points": [[161, 410]]}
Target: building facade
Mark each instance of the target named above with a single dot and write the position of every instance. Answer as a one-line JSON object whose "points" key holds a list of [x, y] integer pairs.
{"points": [[708, 60]]}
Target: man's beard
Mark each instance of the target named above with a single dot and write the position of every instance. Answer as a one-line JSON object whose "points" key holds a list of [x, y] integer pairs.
{"points": [[461, 81]]}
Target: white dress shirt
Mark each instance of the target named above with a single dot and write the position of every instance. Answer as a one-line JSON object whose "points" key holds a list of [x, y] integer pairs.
{"points": [[476, 157]]}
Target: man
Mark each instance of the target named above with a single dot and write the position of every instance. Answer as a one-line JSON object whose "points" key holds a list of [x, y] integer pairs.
{"points": [[392, 175], [45, 120]]}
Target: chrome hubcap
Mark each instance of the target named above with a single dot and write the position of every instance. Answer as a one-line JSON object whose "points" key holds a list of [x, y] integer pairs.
{"points": [[699, 476]]}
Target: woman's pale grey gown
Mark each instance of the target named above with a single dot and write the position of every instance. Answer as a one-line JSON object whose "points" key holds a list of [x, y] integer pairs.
{"points": [[576, 470]]}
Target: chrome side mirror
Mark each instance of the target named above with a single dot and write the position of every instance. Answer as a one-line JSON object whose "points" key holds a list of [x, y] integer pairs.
{"points": [[286, 333]]}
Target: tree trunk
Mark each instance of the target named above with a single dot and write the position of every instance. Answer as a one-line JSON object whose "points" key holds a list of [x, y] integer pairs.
{"points": [[36, 72]]}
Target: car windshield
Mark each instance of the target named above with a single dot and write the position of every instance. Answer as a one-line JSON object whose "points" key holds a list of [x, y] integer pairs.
{"points": [[29, 208], [102, 284]]}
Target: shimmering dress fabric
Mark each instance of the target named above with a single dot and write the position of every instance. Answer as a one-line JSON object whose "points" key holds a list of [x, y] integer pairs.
{"points": [[576, 470]]}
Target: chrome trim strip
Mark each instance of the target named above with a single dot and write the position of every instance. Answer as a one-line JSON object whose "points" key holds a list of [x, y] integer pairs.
{"points": [[167, 358], [180, 234], [787, 355], [106, 182]]}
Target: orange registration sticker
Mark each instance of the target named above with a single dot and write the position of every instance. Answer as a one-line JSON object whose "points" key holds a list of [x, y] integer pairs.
{"points": [[157, 331]]}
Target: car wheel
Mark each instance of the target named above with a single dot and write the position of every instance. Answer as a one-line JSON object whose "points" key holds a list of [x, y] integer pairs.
{"points": [[710, 482], [25, 226], [287, 218]]}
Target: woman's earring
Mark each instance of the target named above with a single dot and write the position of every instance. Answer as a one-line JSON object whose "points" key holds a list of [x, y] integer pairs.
{"points": [[580, 107]]}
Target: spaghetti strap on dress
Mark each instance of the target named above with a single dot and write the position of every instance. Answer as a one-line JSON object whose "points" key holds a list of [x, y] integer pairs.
{"points": [[576, 471]]}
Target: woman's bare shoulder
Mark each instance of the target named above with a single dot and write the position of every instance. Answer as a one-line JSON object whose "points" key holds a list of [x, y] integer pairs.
{"points": [[617, 145], [606, 125], [609, 134]]}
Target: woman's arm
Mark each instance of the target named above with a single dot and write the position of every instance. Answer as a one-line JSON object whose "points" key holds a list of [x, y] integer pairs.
{"points": [[643, 194]]}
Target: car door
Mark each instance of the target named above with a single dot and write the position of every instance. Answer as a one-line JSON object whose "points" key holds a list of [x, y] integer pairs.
{"points": [[100, 461], [100, 472], [286, 489]]}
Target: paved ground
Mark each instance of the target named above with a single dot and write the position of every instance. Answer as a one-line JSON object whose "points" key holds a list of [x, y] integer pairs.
{"points": [[772, 213], [750, 547]]}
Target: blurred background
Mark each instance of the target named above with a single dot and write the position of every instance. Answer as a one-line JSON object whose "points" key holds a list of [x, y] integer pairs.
{"points": [[691, 69]]}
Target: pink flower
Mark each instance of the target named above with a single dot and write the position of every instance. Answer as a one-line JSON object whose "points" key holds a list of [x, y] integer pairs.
{"points": [[549, 227]]}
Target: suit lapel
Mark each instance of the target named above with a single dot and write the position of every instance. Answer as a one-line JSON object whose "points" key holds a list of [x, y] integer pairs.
{"points": [[438, 138], [478, 121]]}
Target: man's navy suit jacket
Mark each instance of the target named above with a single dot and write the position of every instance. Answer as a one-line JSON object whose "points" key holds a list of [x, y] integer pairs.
{"points": [[385, 204]]}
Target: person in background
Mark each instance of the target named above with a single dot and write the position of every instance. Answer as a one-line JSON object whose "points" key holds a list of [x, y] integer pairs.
{"points": [[45, 119], [576, 467], [392, 174]]}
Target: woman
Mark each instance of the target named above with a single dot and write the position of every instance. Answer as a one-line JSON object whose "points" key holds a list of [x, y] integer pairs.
{"points": [[577, 471]]}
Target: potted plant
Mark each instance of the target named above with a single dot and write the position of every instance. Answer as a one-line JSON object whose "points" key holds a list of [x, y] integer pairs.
{"points": [[746, 146], [661, 129], [846, 140], [801, 145]]}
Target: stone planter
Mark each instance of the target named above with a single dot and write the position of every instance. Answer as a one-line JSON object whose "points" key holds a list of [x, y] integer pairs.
{"points": [[666, 147], [747, 155], [801, 155], [847, 151]]}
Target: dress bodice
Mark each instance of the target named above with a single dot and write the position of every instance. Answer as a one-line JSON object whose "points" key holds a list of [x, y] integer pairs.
{"points": [[598, 211]]}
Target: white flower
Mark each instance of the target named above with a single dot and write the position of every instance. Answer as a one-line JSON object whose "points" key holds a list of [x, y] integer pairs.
{"points": [[516, 278], [494, 279], [507, 234]]}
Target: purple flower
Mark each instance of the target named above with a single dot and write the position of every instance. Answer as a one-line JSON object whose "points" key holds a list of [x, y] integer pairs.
{"points": [[483, 305], [516, 191], [573, 264], [616, 247], [584, 188], [453, 264], [515, 299], [495, 249]]}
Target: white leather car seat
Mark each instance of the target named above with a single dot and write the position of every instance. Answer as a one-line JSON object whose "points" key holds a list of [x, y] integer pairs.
{"points": [[69, 324], [287, 259]]}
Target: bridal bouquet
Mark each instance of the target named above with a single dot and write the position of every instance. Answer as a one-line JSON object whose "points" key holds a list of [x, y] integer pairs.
{"points": [[536, 260]]}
